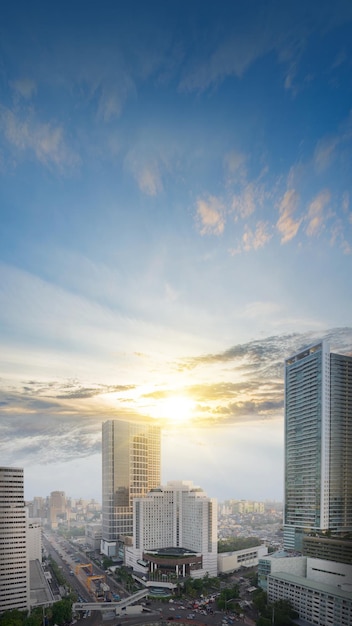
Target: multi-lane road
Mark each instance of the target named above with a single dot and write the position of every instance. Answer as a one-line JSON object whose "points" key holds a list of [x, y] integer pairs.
{"points": [[169, 614]]}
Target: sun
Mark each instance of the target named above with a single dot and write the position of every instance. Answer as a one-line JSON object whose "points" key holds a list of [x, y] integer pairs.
{"points": [[176, 409]]}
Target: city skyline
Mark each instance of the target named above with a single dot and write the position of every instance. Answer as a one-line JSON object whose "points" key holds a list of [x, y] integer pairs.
{"points": [[176, 220]]}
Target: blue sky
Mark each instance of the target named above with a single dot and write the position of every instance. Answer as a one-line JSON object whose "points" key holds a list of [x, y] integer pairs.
{"points": [[176, 219]]}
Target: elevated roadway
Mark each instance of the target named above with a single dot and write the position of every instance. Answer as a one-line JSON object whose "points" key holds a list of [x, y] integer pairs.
{"points": [[109, 606]]}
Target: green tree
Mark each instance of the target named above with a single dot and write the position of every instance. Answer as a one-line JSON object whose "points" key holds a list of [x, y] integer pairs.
{"points": [[35, 618], [13, 618], [226, 600], [62, 612], [107, 562], [260, 600], [264, 621], [237, 543]]}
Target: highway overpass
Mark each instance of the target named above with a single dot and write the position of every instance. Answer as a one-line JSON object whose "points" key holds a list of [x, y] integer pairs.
{"points": [[111, 606]]}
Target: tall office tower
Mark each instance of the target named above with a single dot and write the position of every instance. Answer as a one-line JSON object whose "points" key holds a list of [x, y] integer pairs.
{"points": [[57, 508], [175, 530], [131, 467], [318, 444], [14, 567]]}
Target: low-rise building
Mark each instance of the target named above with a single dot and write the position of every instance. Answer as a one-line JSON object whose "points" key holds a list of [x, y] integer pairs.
{"points": [[316, 602], [248, 557]]}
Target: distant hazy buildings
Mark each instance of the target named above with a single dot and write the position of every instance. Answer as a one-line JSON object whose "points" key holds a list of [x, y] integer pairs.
{"points": [[14, 565], [93, 535], [57, 508], [131, 467], [318, 444], [174, 532], [242, 507]]}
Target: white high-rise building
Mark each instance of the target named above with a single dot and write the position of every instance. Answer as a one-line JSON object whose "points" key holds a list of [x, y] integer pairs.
{"points": [[318, 444], [131, 467], [14, 565], [177, 523]]}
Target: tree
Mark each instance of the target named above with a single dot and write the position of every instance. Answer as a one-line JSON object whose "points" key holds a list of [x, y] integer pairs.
{"points": [[237, 543], [62, 612], [107, 562], [264, 621], [12, 618], [226, 599], [260, 600]]}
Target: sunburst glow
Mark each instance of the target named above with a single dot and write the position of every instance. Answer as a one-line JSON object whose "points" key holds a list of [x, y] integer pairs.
{"points": [[175, 409]]}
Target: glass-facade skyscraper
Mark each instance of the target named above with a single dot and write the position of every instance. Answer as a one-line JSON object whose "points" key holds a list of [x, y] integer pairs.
{"points": [[131, 467], [318, 444]]}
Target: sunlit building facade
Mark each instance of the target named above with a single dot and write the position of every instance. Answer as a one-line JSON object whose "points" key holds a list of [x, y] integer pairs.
{"points": [[318, 444], [131, 468]]}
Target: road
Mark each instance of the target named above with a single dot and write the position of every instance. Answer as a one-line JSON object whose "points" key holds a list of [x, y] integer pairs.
{"points": [[160, 613]]}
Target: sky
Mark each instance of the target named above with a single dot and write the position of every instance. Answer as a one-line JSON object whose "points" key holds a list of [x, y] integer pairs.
{"points": [[175, 221]]}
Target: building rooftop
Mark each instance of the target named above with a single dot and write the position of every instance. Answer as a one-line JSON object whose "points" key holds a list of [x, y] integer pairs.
{"points": [[311, 584], [40, 592]]}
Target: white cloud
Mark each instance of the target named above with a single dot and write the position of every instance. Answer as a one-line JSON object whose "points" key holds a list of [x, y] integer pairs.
{"points": [[146, 170], [286, 225], [316, 213], [210, 216], [325, 153], [253, 240], [345, 201], [245, 203], [46, 141], [113, 97], [232, 54], [235, 167]]}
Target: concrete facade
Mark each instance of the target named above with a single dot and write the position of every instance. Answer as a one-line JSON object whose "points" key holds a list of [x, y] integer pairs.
{"points": [[232, 561], [316, 603], [34, 540], [178, 515], [14, 564]]}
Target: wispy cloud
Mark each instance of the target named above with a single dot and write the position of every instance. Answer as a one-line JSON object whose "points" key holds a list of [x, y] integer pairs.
{"points": [[57, 419], [46, 141], [316, 215], [325, 152], [210, 216], [286, 224], [257, 238], [245, 203], [146, 170], [235, 167]]}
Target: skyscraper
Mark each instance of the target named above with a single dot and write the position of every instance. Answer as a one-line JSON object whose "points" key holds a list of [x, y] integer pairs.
{"points": [[57, 507], [131, 467], [318, 444], [14, 566]]}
